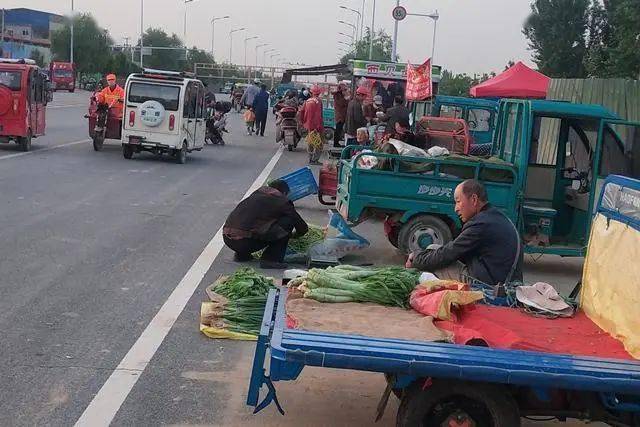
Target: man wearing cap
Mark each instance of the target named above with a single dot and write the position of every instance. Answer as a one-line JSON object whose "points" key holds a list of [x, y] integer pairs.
{"points": [[355, 115], [311, 118], [402, 132], [113, 96], [397, 112], [488, 247], [250, 94]]}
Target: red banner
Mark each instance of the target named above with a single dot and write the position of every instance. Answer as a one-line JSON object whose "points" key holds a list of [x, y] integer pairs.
{"points": [[418, 82]]}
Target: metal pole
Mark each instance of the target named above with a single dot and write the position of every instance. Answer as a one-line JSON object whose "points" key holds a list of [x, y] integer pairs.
{"points": [[71, 50], [372, 32], [3, 32], [230, 45], [394, 48], [141, 31], [433, 45], [213, 33], [362, 21]]}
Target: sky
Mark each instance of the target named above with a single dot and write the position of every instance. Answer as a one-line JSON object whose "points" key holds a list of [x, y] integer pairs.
{"points": [[473, 36]]}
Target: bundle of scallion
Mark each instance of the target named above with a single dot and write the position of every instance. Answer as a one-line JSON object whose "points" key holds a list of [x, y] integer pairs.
{"points": [[301, 244], [381, 285], [244, 315], [245, 282]]}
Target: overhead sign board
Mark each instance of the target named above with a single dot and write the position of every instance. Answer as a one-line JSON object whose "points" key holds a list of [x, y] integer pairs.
{"points": [[379, 70]]}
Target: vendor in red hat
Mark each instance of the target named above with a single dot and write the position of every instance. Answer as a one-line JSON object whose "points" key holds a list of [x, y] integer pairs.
{"points": [[113, 95], [355, 115], [311, 117]]}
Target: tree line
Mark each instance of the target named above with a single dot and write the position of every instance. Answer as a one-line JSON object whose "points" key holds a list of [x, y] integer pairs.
{"points": [[94, 53]]}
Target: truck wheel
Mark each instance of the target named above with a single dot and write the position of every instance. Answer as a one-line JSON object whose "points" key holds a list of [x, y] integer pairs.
{"points": [[328, 134], [98, 142], [25, 142], [181, 155], [127, 151], [421, 231], [457, 403]]}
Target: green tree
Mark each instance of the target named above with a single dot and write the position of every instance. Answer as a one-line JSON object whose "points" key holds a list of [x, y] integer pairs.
{"points": [[120, 64], [622, 46], [165, 59], [382, 45], [556, 31], [460, 84], [596, 60], [92, 44], [198, 56]]}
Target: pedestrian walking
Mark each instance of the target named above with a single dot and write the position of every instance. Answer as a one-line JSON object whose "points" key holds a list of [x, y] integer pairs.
{"points": [[261, 108], [311, 117]]}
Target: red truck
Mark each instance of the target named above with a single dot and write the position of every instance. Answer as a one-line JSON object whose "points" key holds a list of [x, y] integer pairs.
{"points": [[63, 76]]}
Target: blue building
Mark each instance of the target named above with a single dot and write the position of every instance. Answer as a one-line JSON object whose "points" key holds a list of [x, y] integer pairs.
{"points": [[26, 30]]}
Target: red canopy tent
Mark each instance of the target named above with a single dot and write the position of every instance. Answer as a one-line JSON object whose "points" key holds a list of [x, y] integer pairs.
{"points": [[518, 81]]}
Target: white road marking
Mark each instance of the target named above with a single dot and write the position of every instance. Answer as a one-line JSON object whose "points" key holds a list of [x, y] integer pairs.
{"points": [[105, 405], [42, 150], [68, 106]]}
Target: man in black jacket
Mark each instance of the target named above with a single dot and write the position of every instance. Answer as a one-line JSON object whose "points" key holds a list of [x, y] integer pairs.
{"points": [[488, 245], [264, 220]]}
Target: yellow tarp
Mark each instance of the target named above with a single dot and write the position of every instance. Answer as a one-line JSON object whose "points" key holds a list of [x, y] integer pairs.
{"points": [[610, 293]]}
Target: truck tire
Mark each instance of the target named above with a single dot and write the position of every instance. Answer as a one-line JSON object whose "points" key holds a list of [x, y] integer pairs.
{"points": [[98, 142], [328, 134], [127, 151], [25, 142], [181, 155], [421, 231], [449, 402]]}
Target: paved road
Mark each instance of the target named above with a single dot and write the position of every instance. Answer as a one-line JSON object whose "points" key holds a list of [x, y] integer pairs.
{"points": [[93, 247]]}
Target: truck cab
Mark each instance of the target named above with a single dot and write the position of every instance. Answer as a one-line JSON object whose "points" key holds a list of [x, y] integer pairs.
{"points": [[480, 114], [24, 95], [63, 76]]}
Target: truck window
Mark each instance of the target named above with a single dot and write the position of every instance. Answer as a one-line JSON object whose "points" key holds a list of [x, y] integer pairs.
{"points": [[513, 131], [62, 73], [168, 96], [452, 111], [479, 120], [10, 79], [620, 149]]}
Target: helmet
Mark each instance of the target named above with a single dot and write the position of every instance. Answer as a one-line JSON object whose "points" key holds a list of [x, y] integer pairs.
{"points": [[290, 93], [256, 81]]}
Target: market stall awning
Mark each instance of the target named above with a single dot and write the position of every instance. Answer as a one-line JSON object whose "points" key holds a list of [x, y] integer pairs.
{"points": [[518, 81]]}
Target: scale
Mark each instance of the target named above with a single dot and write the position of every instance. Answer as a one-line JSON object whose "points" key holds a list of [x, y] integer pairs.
{"points": [[322, 261]]}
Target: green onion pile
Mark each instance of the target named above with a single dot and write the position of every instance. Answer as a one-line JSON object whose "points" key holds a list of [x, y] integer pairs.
{"points": [[390, 286], [300, 245], [247, 292]]}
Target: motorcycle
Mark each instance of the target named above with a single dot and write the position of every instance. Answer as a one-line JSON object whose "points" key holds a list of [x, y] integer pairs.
{"points": [[216, 123], [103, 123], [288, 128]]}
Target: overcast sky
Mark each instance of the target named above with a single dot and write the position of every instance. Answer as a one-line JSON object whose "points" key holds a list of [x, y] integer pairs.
{"points": [[473, 36]]}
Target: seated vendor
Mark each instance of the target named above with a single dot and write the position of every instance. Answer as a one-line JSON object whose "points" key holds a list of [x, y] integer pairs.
{"points": [[362, 136], [402, 132], [487, 249], [264, 220]]}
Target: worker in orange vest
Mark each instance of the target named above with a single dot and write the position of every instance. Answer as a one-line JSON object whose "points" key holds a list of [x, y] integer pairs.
{"points": [[112, 95]]}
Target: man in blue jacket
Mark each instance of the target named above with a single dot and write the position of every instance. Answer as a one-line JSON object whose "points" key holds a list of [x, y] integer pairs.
{"points": [[261, 109], [488, 246]]}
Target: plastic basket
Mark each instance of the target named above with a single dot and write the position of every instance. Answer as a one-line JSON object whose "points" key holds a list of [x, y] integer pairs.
{"points": [[301, 183]]}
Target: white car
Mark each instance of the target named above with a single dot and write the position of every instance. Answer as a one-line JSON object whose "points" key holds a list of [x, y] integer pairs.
{"points": [[164, 112]]}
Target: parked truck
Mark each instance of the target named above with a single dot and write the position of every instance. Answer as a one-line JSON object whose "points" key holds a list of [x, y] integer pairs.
{"points": [[545, 171]]}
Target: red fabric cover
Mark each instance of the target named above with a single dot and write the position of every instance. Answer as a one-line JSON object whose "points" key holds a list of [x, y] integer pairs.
{"points": [[510, 328], [518, 81], [311, 115]]}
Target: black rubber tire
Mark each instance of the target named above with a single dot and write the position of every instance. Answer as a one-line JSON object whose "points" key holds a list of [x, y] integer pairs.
{"points": [[393, 236], [127, 151], [25, 142], [98, 142], [428, 223], [489, 405], [181, 155], [328, 134], [290, 147], [71, 90]]}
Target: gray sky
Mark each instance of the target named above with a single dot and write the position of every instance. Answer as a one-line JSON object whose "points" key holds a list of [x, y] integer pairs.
{"points": [[473, 36]]}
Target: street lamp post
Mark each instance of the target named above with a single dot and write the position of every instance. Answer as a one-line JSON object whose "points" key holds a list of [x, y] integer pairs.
{"points": [[258, 46], [275, 55], [186, 50], [141, 31], [372, 32], [264, 55], [71, 28], [435, 16], [353, 27], [246, 66], [346, 35], [213, 29], [359, 18], [231, 42]]}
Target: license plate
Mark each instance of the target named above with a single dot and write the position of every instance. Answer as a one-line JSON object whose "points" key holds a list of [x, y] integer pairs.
{"points": [[134, 140]]}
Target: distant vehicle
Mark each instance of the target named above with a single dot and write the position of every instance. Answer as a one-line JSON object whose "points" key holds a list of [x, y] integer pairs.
{"points": [[165, 112], [227, 88], [63, 76], [24, 94]]}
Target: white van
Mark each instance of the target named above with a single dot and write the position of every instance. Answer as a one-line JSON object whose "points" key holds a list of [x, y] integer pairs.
{"points": [[164, 112]]}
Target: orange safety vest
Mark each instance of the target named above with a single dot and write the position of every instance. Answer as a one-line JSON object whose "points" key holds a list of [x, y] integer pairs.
{"points": [[111, 98]]}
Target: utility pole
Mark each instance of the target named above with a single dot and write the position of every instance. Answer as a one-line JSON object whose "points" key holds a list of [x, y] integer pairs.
{"points": [[394, 47], [141, 31], [2, 41], [71, 50], [372, 32], [213, 30]]}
